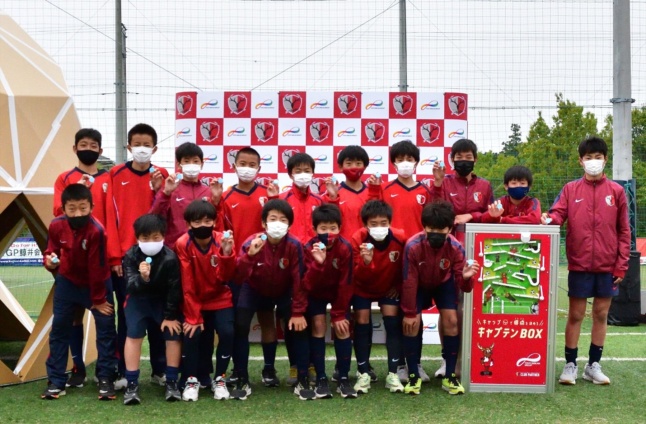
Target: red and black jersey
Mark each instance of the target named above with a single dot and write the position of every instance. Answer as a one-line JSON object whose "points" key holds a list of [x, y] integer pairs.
{"points": [[528, 211], [331, 280], [241, 212], [82, 255], [350, 203], [204, 274], [302, 204], [131, 197], [99, 190], [407, 203], [472, 197], [275, 271], [426, 268], [384, 273]]}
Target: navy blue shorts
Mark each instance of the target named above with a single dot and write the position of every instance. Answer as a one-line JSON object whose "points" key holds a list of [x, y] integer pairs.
{"points": [[591, 284], [250, 299], [445, 296], [140, 311], [319, 307], [360, 302]]}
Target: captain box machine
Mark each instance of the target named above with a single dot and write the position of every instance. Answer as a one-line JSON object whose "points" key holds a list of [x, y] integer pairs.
{"points": [[510, 316]]}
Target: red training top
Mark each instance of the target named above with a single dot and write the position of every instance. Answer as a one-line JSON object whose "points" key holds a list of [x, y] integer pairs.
{"points": [[241, 212], [528, 211], [471, 197], [302, 204], [99, 190], [350, 203]]}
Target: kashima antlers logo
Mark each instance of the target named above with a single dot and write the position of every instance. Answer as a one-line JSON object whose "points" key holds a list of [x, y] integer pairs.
{"points": [[457, 105], [283, 263], [210, 131], [375, 131], [393, 256], [263, 199], [421, 199], [347, 104], [477, 196], [292, 103], [288, 154], [402, 104], [184, 105], [430, 132], [237, 103], [319, 131], [445, 264], [317, 186], [264, 131], [214, 261], [610, 200], [231, 158]]}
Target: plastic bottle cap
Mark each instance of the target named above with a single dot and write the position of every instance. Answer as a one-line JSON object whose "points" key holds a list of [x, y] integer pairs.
{"points": [[470, 262], [149, 260], [55, 260], [377, 175], [499, 206], [220, 180], [334, 180], [91, 179], [263, 237], [226, 234], [440, 163], [275, 182], [321, 246], [152, 169], [548, 220], [369, 246], [179, 177]]}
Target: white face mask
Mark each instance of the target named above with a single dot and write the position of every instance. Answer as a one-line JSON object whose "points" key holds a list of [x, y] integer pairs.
{"points": [[246, 174], [141, 154], [191, 170], [151, 248], [277, 229], [303, 180], [593, 167], [405, 169], [378, 233]]}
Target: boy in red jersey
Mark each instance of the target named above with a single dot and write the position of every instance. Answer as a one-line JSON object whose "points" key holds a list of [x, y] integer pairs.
{"points": [[270, 269], [87, 147], [516, 207], [377, 251], [76, 255], [328, 279], [207, 262], [132, 190], [597, 244], [434, 270]]}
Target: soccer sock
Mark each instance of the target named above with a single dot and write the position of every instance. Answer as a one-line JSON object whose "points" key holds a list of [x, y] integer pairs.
{"points": [[571, 354], [361, 346], [289, 345], [76, 348], [420, 338], [393, 342], [594, 353], [132, 377], [343, 348], [370, 339], [411, 351], [443, 353], [269, 353], [317, 354], [451, 346], [171, 373]]}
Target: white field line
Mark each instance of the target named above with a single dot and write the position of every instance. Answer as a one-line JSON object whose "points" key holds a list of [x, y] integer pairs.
{"points": [[438, 358], [31, 284], [610, 334]]}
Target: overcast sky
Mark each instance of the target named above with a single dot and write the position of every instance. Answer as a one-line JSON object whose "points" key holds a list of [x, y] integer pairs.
{"points": [[510, 57]]}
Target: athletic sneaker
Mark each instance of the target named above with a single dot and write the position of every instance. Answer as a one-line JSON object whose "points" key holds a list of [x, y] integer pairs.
{"points": [[393, 383], [52, 392], [232, 379], [77, 379], [292, 378], [363, 383], [220, 391], [414, 385], [569, 374], [159, 379], [311, 375], [452, 385], [191, 390], [372, 374], [120, 383], [242, 390], [303, 391], [422, 374], [131, 397], [593, 373], [402, 373], [172, 391], [335, 375], [322, 390], [269, 377], [441, 370], [344, 387], [106, 389]]}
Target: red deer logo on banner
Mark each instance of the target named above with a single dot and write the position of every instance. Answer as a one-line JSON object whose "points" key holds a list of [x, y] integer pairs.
{"points": [[375, 131], [457, 105], [347, 104], [430, 132], [237, 103], [292, 103], [402, 104], [288, 154], [184, 105], [264, 131], [319, 131], [209, 131], [231, 158]]}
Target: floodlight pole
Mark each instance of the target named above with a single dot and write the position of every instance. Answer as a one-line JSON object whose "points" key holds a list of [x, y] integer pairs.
{"points": [[403, 54], [121, 102]]}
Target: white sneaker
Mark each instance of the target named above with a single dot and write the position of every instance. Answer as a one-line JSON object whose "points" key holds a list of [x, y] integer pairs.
{"points": [[220, 391], [441, 371], [362, 385], [120, 383], [191, 390], [402, 373], [393, 383], [158, 379], [422, 374], [593, 373], [569, 374]]}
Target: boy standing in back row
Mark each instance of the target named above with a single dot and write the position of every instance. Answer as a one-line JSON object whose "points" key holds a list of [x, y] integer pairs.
{"points": [[598, 246]]}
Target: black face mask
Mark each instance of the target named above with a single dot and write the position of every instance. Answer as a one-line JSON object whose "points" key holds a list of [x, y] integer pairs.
{"points": [[87, 157], [436, 240], [463, 167], [77, 222], [202, 232]]}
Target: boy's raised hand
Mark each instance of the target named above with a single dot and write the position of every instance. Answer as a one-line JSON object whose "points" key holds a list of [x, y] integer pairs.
{"points": [[256, 245], [216, 190], [272, 189], [470, 270], [173, 326], [86, 180], [297, 324], [439, 172], [156, 179], [546, 219], [144, 271], [331, 187], [495, 209], [227, 243], [105, 308], [366, 253], [318, 253], [51, 261], [374, 179], [171, 184]]}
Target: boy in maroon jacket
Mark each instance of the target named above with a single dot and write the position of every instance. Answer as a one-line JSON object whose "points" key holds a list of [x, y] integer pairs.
{"points": [[76, 255], [434, 270], [517, 207], [328, 279], [598, 247], [207, 262]]}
